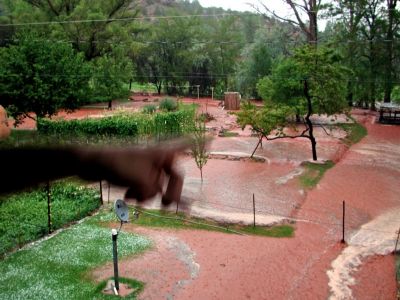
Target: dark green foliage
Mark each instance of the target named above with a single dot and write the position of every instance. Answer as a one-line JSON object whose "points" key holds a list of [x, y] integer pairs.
{"points": [[94, 39], [40, 76], [168, 104], [325, 75], [110, 74], [165, 124], [396, 94], [109, 126], [23, 216], [312, 81]]}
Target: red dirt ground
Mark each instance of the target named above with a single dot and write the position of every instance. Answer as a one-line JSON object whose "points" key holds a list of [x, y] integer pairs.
{"points": [[237, 267], [240, 267]]}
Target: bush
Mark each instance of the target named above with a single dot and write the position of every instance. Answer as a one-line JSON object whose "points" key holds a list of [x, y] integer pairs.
{"points": [[396, 95], [160, 125], [23, 216], [149, 109], [109, 126], [168, 104]]}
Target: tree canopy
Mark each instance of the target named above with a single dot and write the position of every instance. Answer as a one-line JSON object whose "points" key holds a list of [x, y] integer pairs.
{"points": [[37, 75], [177, 45], [312, 81]]}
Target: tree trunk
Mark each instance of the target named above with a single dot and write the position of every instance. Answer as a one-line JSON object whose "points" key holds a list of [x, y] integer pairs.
{"points": [[258, 144], [372, 65], [308, 121], [158, 86], [313, 25], [391, 6]]}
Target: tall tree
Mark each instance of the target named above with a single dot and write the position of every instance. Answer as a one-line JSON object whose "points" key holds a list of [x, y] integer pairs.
{"points": [[90, 37], [110, 73], [393, 21], [37, 75], [372, 32], [297, 86], [349, 15], [273, 41], [166, 58], [310, 8]]}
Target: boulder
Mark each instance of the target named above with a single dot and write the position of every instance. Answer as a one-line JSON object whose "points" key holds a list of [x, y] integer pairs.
{"points": [[4, 126]]}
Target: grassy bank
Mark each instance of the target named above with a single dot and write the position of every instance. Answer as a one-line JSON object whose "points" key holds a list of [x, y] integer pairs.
{"points": [[168, 219], [355, 133], [24, 216], [58, 268], [313, 173]]}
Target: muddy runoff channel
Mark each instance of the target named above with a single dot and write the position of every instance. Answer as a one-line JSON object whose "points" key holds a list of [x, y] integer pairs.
{"points": [[377, 237], [226, 192]]}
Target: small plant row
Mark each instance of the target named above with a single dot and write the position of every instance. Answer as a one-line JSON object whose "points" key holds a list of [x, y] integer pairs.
{"points": [[24, 216], [124, 125]]}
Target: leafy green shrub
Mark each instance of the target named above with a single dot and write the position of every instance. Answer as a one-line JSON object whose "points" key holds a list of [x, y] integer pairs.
{"points": [[149, 109], [396, 95], [168, 104], [160, 125], [115, 125], [23, 216]]}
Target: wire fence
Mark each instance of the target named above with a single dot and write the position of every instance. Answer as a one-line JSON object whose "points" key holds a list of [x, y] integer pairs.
{"points": [[31, 215]]}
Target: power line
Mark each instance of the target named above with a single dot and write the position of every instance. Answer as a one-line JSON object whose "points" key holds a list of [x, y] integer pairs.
{"points": [[126, 19], [198, 76], [194, 42]]}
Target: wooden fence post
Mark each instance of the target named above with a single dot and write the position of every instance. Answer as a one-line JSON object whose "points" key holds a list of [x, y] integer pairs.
{"points": [[397, 241], [109, 188], [49, 225], [254, 211], [101, 193], [343, 220]]}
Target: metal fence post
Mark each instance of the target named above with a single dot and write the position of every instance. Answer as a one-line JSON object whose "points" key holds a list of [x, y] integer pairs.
{"points": [[114, 234]]}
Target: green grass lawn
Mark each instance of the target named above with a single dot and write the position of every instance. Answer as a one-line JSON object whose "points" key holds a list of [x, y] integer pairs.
{"points": [[24, 215], [314, 173], [168, 219], [355, 132], [58, 268], [145, 87]]}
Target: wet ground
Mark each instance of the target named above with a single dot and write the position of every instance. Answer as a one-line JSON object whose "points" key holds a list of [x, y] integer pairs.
{"points": [[313, 264]]}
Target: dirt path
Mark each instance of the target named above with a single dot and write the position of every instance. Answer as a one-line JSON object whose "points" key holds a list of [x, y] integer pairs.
{"points": [[367, 178], [313, 264], [373, 238]]}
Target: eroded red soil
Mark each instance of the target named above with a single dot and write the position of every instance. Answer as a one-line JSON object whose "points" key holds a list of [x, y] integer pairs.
{"points": [[237, 267]]}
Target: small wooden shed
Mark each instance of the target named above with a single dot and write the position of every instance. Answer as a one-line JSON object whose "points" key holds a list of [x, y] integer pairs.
{"points": [[232, 101]]}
